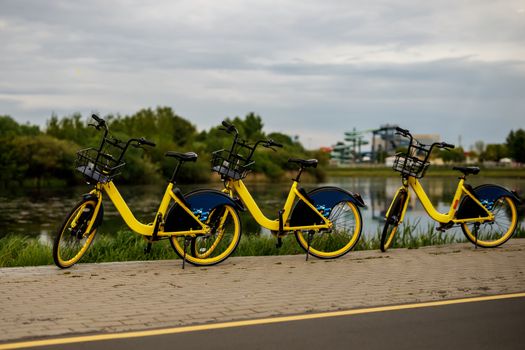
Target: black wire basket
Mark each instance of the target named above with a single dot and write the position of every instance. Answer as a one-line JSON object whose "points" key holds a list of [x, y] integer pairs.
{"points": [[230, 165], [410, 166], [98, 166]]}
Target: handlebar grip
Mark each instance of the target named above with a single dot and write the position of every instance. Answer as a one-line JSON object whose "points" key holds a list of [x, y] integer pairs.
{"points": [[276, 144], [97, 119], [143, 141], [403, 131], [230, 128], [447, 145]]}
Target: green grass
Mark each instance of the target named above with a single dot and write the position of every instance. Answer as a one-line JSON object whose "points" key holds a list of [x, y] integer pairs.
{"points": [[17, 250]]}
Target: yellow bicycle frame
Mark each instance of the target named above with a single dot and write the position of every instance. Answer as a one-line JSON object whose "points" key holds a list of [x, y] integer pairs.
{"points": [[432, 212], [136, 225], [238, 187]]}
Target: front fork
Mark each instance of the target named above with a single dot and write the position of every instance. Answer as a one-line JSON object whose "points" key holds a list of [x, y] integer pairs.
{"points": [[86, 216], [403, 195]]}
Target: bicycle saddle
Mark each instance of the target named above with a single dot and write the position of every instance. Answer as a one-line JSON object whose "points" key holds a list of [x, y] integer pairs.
{"points": [[183, 157], [305, 163], [467, 169]]}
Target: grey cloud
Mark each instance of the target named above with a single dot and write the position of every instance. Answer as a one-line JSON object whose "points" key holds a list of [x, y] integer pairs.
{"points": [[213, 59]]}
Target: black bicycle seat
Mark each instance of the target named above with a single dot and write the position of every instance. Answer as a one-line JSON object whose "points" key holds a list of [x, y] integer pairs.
{"points": [[467, 169], [183, 157], [305, 163]]}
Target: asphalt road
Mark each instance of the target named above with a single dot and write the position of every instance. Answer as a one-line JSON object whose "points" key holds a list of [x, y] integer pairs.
{"points": [[495, 324]]}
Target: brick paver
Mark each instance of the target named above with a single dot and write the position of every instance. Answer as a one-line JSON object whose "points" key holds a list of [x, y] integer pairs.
{"points": [[45, 301]]}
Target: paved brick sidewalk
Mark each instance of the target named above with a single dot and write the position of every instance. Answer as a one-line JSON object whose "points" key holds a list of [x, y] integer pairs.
{"points": [[45, 301]]}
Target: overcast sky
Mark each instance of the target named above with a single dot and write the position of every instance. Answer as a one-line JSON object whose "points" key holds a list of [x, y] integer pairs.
{"points": [[309, 68]]}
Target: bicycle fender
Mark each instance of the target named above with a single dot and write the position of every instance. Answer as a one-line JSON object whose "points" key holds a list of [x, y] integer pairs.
{"points": [[201, 203], [487, 194], [100, 214], [210, 199], [323, 198]]}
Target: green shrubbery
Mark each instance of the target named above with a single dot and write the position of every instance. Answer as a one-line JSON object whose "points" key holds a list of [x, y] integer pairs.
{"points": [[30, 156]]}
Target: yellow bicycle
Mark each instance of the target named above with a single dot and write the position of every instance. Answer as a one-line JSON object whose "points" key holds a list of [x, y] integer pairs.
{"points": [[326, 221], [487, 213], [202, 218]]}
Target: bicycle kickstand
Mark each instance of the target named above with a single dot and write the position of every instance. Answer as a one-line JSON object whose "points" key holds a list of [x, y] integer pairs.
{"points": [[187, 241], [309, 240], [476, 229]]}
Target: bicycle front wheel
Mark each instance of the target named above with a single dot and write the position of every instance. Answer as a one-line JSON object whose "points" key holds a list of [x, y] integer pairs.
{"points": [[388, 234], [344, 235], [392, 221], [216, 246], [74, 237], [494, 233]]}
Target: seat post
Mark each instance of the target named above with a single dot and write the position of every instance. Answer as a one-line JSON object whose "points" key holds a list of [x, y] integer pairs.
{"points": [[176, 172], [298, 177]]}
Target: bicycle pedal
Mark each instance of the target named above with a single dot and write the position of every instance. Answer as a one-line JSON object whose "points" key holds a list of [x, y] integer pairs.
{"points": [[444, 227]]}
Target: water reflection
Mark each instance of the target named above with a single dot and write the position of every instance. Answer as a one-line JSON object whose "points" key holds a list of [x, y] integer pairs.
{"points": [[39, 213]]}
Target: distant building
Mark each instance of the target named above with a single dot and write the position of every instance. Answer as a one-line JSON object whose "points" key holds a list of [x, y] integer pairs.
{"points": [[385, 142]]}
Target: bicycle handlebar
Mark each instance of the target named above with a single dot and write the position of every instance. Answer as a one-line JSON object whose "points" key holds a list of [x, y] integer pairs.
{"points": [[230, 128], [143, 141], [101, 123], [97, 119], [402, 131], [417, 145], [270, 143]]}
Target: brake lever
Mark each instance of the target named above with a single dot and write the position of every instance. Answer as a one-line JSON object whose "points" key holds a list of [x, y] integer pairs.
{"points": [[138, 145]]}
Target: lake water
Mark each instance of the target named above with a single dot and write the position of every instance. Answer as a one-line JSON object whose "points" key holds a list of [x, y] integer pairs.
{"points": [[40, 213]]}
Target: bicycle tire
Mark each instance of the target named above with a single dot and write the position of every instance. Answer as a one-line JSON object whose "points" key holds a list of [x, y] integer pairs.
{"points": [[344, 235], [505, 214], [392, 221], [71, 241], [215, 247]]}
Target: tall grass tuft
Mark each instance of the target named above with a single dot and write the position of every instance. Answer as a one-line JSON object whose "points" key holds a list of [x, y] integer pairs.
{"points": [[17, 250]]}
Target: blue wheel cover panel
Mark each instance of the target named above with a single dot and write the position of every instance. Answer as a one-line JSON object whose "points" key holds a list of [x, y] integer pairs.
{"points": [[324, 199], [201, 203], [207, 200], [487, 195]]}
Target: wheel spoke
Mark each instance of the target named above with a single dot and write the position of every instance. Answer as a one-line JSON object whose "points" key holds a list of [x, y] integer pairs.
{"points": [[345, 232]]}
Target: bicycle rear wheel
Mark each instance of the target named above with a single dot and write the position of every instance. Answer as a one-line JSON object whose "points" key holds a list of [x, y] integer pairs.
{"points": [[494, 233], [345, 233], [73, 238], [392, 221], [216, 246]]}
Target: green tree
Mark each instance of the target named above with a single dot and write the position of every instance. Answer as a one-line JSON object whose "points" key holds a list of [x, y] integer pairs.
{"points": [[456, 155], [479, 147], [494, 152], [42, 156], [516, 145], [10, 128], [71, 128]]}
